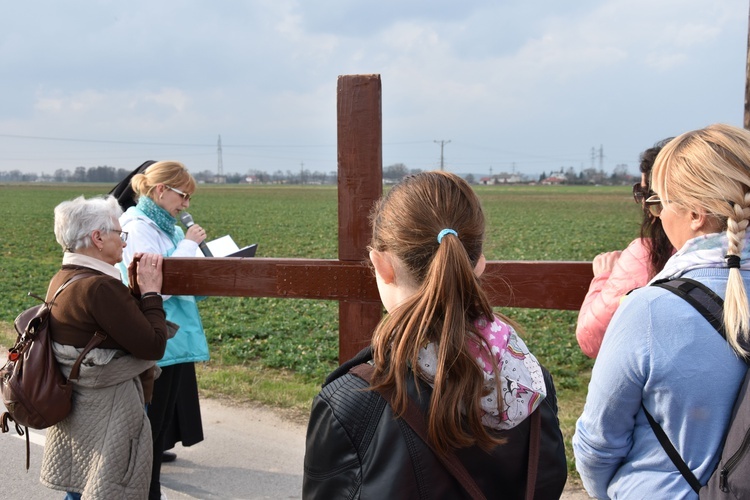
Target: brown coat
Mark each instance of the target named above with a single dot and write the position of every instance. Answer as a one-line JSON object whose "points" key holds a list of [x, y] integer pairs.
{"points": [[102, 303]]}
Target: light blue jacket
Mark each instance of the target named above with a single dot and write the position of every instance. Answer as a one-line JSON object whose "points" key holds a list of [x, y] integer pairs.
{"points": [[189, 344], [659, 351]]}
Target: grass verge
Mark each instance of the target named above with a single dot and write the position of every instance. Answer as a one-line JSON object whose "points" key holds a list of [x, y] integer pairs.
{"points": [[291, 394]]}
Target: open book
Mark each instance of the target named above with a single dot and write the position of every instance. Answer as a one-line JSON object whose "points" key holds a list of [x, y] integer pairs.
{"points": [[226, 247]]}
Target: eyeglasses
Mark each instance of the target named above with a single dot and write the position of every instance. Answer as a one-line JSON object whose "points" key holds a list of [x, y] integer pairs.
{"points": [[654, 205], [640, 194], [123, 234], [185, 196]]}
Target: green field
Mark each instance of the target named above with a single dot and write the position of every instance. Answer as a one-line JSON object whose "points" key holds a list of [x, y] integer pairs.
{"points": [[277, 351]]}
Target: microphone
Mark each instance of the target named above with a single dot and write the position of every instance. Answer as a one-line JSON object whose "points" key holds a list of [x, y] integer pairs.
{"points": [[187, 219]]}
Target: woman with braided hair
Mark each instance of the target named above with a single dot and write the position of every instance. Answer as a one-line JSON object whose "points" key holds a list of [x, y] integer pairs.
{"points": [[659, 353]]}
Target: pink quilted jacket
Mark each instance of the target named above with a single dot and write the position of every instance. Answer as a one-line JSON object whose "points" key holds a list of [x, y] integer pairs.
{"points": [[606, 291]]}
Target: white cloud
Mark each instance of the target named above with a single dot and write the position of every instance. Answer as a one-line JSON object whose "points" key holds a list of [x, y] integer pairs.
{"points": [[506, 81]]}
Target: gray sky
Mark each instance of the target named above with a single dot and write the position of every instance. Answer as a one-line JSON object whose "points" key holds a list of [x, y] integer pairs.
{"points": [[529, 86]]}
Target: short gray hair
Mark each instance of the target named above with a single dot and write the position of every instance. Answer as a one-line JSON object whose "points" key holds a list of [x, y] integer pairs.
{"points": [[76, 219]]}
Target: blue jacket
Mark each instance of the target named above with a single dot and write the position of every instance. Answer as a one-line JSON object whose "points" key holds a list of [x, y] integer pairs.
{"points": [[189, 344], [659, 351]]}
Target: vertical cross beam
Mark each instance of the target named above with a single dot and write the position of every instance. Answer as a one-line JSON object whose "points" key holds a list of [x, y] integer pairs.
{"points": [[360, 184], [547, 285]]}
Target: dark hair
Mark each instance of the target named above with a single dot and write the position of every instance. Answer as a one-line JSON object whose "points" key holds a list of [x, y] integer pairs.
{"points": [[449, 299], [659, 247]]}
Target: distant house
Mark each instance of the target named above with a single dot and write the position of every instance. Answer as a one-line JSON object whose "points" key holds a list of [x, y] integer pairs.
{"points": [[502, 178], [554, 178]]}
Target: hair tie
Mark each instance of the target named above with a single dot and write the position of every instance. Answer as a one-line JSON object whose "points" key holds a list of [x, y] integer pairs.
{"points": [[444, 232], [733, 261]]}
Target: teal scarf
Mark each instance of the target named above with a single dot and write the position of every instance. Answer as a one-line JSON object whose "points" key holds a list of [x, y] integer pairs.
{"points": [[157, 214]]}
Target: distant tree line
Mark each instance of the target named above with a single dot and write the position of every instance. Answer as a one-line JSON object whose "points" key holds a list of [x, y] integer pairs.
{"points": [[391, 175], [106, 174]]}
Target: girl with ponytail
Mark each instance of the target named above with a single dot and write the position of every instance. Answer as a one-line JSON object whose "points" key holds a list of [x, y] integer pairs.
{"points": [[441, 345]]}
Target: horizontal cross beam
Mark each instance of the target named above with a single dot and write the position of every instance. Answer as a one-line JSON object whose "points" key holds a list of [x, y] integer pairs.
{"points": [[547, 285], [528, 284]]}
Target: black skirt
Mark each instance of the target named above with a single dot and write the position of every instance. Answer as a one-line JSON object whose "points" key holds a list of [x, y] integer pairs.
{"points": [[186, 425]]}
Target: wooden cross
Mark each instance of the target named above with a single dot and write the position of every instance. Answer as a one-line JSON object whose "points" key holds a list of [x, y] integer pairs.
{"points": [[348, 279]]}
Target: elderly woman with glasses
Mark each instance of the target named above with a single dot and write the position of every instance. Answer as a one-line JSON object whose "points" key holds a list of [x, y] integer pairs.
{"points": [[102, 449], [618, 272], [659, 354], [162, 191]]}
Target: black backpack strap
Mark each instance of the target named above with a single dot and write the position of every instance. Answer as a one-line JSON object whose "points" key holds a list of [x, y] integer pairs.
{"points": [[672, 452], [711, 307], [702, 298]]}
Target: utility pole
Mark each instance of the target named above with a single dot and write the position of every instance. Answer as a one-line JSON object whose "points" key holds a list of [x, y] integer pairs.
{"points": [[220, 168], [442, 145], [601, 157]]}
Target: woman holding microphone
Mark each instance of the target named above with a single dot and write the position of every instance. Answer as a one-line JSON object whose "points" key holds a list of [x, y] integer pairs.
{"points": [[162, 191]]}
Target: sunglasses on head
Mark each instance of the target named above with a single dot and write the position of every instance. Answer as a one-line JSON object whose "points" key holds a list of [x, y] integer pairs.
{"points": [[640, 193]]}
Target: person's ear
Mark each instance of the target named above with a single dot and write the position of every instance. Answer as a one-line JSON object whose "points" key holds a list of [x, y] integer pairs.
{"points": [[96, 239], [383, 266], [701, 222], [479, 268]]}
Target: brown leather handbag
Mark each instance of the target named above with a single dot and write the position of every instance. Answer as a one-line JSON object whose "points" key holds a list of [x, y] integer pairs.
{"points": [[34, 391]]}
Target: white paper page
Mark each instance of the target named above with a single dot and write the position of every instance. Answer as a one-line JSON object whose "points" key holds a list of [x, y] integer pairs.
{"points": [[220, 247]]}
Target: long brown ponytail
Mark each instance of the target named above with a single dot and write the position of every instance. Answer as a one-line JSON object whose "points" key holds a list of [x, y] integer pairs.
{"points": [[406, 223]]}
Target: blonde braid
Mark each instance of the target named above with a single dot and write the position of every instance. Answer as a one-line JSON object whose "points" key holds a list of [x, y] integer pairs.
{"points": [[736, 309]]}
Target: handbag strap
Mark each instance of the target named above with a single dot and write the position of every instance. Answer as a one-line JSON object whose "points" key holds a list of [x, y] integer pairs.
{"points": [[21, 431], [98, 337], [414, 416], [70, 280], [535, 437]]}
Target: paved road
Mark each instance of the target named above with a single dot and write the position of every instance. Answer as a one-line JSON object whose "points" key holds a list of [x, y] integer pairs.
{"points": [[248, 453]]}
